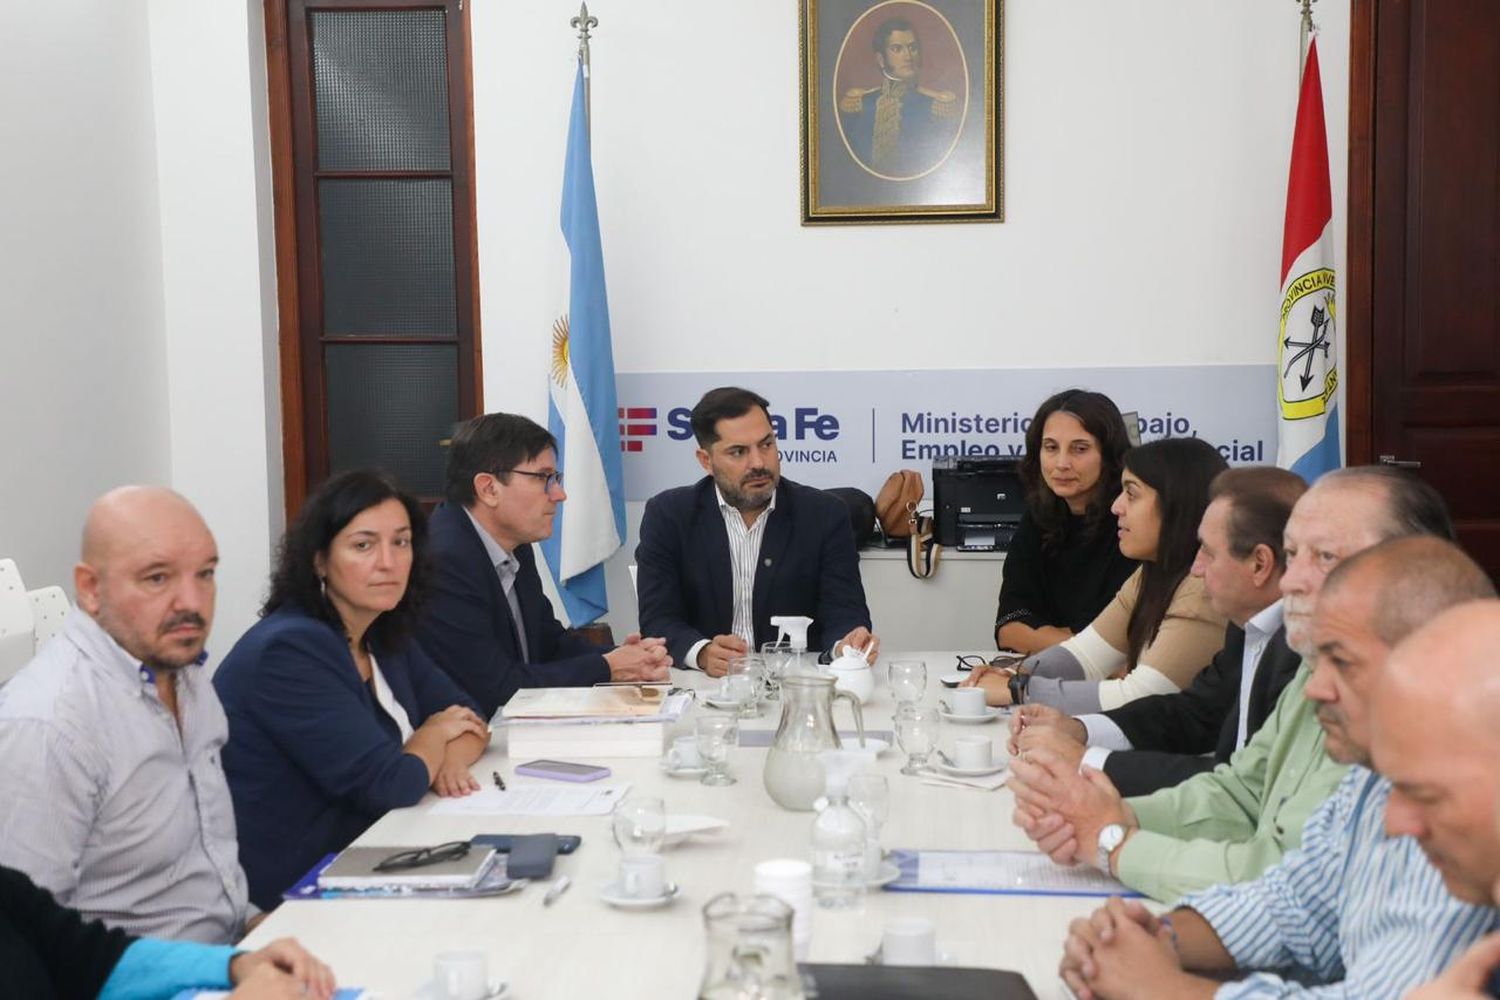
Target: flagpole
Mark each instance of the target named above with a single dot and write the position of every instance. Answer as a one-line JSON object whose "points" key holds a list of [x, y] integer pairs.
{"points": [[583, 22], [1307, 31]]}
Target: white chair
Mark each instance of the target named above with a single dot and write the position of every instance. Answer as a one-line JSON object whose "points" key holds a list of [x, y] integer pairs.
{"points": [[16, 641], [49, 609]]}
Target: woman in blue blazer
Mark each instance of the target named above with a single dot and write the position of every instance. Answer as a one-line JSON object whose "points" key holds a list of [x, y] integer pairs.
{"points": [[335, 714]]}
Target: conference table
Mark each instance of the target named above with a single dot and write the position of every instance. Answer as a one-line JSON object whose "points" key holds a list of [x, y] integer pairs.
{"points": [[582, 947]]}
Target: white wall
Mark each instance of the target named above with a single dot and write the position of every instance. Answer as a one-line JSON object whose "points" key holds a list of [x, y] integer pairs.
{"points": [[1146, 156], [218, 270], [1146, 152], [83, 376]]}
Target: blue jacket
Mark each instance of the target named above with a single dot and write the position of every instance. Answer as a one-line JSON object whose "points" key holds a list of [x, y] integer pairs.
{"points": [[312, 760], [467, 625], [808, 566]]}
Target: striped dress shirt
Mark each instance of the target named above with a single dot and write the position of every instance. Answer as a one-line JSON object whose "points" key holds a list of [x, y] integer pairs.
{"points": [[1352, 913], [744, 553], [120, 811]]}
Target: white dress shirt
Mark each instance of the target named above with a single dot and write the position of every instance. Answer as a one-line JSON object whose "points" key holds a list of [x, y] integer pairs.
{"points": [[744, 553]]}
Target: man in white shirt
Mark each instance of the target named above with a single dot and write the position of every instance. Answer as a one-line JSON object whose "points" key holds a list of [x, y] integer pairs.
{"points": [[718, 559], [112, 795]]}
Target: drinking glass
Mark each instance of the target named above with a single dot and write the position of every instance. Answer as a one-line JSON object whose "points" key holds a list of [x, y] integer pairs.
{"points": [[917, 731], [716, 734], [908, 680], [776, 656], [741, 685], [639, 824], [870, 796]]}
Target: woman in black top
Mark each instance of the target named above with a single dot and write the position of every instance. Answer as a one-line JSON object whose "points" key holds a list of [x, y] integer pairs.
{"points": [[1064, 563]]}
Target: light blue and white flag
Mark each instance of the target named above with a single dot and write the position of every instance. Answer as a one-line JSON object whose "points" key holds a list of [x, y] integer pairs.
{"points": [[1306, 343], [582, 412]]}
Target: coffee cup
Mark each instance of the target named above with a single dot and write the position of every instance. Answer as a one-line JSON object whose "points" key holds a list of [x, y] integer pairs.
{"points": [[461, 975], [968, 701], [973, 752], [683, 754], [909, 941], [643, 877]]}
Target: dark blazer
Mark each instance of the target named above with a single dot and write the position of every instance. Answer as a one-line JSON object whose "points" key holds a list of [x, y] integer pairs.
{"points": [[1173, 732], [49, 952], [312, 760], [467, 626], [808, 566]]}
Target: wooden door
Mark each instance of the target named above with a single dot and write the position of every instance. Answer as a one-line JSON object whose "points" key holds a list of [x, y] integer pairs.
{"points": [[1424, 250]]}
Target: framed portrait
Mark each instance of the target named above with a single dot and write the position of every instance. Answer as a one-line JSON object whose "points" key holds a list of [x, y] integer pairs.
{"points": [[901, 111]]}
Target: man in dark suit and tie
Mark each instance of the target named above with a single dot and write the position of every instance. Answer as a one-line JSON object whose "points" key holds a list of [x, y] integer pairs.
{"points": [[1163, 740], [488, 623], [719, 558]]}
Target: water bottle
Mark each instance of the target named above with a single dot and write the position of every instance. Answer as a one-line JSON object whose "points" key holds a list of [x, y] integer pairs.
{"points": [[838, 837]]}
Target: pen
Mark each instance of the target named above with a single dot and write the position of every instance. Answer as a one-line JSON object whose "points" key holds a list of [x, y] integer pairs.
{"points": [[558, 888], [499, 781]]}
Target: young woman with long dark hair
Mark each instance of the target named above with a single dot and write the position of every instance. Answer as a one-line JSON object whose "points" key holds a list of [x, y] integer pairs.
{"points": [[1159, 630]]}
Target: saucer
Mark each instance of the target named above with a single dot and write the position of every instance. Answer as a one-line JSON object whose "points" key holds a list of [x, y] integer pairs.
{"points": [[888, 873], [941, 958], [611, 895], [683, 772], [990, 715], [496, 989], [969, 772]]}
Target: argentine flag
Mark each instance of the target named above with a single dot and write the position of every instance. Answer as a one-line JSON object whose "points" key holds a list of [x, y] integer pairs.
{"points": [[1306, 345], [581, 411]]}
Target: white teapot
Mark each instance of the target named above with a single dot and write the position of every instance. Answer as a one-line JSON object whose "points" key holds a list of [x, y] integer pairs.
{"points": [[853, 673]]}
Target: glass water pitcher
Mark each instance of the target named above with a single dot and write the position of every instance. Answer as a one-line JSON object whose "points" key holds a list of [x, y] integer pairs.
{"points": [[794, 775], [749, 950]]}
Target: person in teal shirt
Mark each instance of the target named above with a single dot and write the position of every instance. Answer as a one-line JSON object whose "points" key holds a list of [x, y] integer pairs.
{"points": [[49, 952], [1232, 823]]}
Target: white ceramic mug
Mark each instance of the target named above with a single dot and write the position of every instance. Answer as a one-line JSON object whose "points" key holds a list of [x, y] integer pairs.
{"points": [[643, 877], [909, 941], [973, 752], [968, 701], [461, 975], [684, 753]]}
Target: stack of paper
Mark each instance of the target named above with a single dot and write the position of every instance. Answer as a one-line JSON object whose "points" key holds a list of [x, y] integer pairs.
{"points": [[585, 723]]}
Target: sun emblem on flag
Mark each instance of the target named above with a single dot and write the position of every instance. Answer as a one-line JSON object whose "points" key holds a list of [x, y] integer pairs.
{"points": [[560, 350]]}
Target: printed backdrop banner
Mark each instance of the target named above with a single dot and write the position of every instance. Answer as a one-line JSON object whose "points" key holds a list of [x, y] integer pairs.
{"points": [[854, 428]]}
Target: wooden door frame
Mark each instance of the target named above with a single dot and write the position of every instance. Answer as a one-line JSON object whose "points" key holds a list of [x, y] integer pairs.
{"points": [[281, 121], [1359, 325]]}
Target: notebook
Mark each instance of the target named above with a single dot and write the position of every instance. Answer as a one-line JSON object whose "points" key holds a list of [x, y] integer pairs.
{"points": [[355, 869]]}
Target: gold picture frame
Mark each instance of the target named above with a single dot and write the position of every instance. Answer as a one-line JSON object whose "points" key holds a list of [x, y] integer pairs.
{"points": [[902, 111]]}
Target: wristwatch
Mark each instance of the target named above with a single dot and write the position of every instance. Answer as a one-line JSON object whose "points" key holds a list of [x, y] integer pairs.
{"points": [[1110, 839], [1017, 685]]}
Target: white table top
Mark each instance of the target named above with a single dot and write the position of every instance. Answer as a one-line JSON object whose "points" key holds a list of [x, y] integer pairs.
{"points": [[580, 947]]}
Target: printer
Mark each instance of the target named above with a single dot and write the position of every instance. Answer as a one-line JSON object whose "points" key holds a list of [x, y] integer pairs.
{"points": [[977, 502]]}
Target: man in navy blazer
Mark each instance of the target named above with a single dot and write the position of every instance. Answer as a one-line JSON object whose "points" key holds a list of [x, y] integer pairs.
{"points": [[488, 622], [1163, 740], [719, 558]]}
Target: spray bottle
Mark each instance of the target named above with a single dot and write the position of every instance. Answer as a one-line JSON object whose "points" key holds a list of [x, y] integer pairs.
{"points": [[793, 628]]}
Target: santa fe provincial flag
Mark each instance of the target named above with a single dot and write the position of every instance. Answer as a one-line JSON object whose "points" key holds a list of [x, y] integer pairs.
{"points": [[581, 412], [1306, 349]]}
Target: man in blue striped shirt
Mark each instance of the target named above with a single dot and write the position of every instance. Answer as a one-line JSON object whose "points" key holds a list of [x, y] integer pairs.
{"points": [[1354, 912], [1442, 757]]}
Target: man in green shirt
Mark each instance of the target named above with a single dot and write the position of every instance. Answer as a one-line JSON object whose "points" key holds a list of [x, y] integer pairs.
{"points": [[1234, 822]]}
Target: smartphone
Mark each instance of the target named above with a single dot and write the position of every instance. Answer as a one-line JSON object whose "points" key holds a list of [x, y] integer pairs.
{"points": [[567, 843], [563, 770]]}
